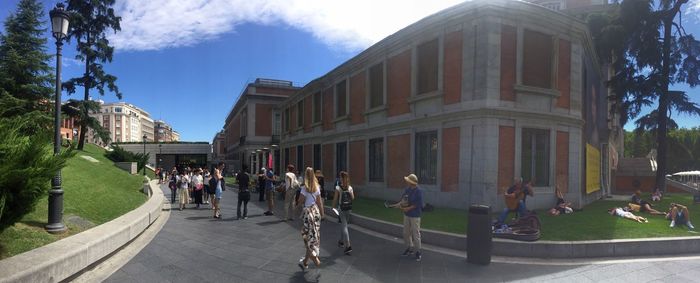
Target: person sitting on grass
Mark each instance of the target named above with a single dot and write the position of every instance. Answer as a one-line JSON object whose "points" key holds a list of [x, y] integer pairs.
{"points": [[562, 206], [620, 212], [678, 214], [656, 196], [644, 206]]}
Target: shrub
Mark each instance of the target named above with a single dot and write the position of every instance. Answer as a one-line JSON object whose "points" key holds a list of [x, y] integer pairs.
{"points": [[118, 154]]}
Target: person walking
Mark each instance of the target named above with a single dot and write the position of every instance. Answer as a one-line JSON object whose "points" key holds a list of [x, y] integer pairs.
{"points": [[310, 198], [207, 192], [198, 186], [173, 185], [411, 219], [243, 193], [269, 192], [291, 186], [260, 185], [344, 197], [183, 187], [218, 185]]}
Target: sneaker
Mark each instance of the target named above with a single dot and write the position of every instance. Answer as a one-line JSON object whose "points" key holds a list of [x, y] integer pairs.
{"points": [[340, 244], [245, 217], [348, 250], [418, 256], [690, 225], [673, 224], [407, 252]]}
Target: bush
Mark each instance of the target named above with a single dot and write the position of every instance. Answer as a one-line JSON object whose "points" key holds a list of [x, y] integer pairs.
{"points": [[27, 163], [118, 154]]}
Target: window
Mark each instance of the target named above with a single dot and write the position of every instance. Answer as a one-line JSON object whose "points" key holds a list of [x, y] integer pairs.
{"points": [[426, 157], [317, 107], [286, 120], [341, 95], [341, 156], [300, 113], [538, 53], [427, 67], [376, 85], [376, 160], [276, 123], [300, 158], [317, 156], [118, 109], [535, 156]]}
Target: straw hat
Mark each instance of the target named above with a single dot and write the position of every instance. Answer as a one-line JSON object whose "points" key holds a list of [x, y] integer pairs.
{"points": [[318, 174], [411, 179]]}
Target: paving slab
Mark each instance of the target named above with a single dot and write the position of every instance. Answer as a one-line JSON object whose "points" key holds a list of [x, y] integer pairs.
{"points": [[194, 247]]}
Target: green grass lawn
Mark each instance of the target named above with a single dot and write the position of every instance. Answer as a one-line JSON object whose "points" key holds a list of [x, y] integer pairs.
{"points": [[591, 223], [96, 192]]}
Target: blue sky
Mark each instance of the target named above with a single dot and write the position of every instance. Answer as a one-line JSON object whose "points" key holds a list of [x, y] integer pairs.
{"points": [[186, 62]]}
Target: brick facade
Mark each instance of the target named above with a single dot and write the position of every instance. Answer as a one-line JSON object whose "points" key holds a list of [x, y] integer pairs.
{"points": [[357, 167], [398, 160], [399, 84], [452, 70], [450, 160]]}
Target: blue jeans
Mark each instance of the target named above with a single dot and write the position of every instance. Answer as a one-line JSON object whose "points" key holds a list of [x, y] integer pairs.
{"points": [[520, 210]]}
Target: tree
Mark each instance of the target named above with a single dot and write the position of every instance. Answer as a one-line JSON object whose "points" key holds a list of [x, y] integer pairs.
{"points": [[74, 109], [27, 162], [647, 57], [24, 69], [119, 154], [90, 20]]}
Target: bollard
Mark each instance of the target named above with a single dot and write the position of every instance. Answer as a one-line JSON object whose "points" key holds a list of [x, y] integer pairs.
{"points": [[479, 235]]}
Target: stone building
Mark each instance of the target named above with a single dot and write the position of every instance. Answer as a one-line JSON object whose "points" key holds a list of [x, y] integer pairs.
{"points": [[467, 99], [252, 127]]}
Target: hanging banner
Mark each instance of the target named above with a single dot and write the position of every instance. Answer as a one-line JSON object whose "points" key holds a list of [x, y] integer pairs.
{"points": [[592, 169]]}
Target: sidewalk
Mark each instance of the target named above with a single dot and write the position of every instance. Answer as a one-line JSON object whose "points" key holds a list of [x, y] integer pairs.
{"points": [[193, 247]]}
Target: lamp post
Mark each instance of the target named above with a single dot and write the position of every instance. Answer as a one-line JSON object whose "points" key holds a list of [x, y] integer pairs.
{"points": [[144, 154], [59, 29]]}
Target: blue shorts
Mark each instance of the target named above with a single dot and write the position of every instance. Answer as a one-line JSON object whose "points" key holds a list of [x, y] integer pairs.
{"points": [[680, 218]]}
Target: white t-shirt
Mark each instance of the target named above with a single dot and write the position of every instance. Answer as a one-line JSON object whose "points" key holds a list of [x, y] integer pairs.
{"points": [[184, 180], [197, 180], [310, 198], [289, 176]]}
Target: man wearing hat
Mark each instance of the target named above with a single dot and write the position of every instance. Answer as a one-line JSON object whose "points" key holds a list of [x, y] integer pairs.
{"points": [[411, 216]]}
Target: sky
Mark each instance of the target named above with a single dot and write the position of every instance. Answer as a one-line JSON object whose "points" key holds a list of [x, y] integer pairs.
{"points": [[187, 61]]}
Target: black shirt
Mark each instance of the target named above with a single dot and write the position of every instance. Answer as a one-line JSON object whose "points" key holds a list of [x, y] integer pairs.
{"points": [[243, 181]]}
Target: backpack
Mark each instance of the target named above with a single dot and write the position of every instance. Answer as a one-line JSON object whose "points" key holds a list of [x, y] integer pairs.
{"points": [[345, 200]]}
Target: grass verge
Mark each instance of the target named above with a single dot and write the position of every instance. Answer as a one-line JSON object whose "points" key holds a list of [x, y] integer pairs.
{"points": [[94, 193], [591, 223]]}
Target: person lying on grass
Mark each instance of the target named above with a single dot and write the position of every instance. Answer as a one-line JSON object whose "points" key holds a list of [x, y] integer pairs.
{"points": [[620, 212], [644, 206], [562, 206], [678, 214]]}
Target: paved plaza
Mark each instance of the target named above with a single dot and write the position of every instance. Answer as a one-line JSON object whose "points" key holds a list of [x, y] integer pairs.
{"points": [[194, 247]]}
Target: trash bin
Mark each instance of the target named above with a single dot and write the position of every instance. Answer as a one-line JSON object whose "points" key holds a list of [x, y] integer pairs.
{"points": [[479, 238]]}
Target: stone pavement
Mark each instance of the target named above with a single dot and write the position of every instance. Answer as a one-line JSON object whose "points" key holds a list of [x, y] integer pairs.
{"points": [[194, 247]]}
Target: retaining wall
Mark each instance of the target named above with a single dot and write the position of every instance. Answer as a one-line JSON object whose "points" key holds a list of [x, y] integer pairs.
{"points": [[64, 258]]}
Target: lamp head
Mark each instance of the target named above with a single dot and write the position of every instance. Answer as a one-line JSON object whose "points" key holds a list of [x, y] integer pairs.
{"points": [[59, 22]]}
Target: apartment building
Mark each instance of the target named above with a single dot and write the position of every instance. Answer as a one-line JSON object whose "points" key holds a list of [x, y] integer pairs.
{"points": [[125, 122]]}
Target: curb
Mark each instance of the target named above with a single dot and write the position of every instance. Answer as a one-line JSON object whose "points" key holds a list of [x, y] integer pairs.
{"points": [[545, 249], [62, 259]]}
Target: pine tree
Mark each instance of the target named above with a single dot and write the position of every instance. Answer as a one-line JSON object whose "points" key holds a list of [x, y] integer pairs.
{"points": [[24, 69], [647, 57], [90, 21]]}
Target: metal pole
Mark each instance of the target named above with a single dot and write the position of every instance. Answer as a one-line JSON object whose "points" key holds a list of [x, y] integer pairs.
{"points": [[144, 154], [55, 224]]}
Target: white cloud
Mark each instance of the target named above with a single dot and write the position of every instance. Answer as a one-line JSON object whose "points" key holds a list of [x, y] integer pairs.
{"points": [[348, 25]]}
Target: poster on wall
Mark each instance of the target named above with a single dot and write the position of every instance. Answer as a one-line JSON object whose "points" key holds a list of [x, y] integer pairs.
{"points": [[592, 169]]}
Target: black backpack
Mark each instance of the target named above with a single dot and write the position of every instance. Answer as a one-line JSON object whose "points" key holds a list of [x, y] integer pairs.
{"points": [[212, 183], [345, 200]]}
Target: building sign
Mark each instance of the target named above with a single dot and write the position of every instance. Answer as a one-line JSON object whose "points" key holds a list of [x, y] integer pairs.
{"points": [[592, 169]]}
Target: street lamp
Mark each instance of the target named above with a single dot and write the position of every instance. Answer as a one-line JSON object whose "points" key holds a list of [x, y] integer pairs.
{"points": [[144, 154], [59, 28]]}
